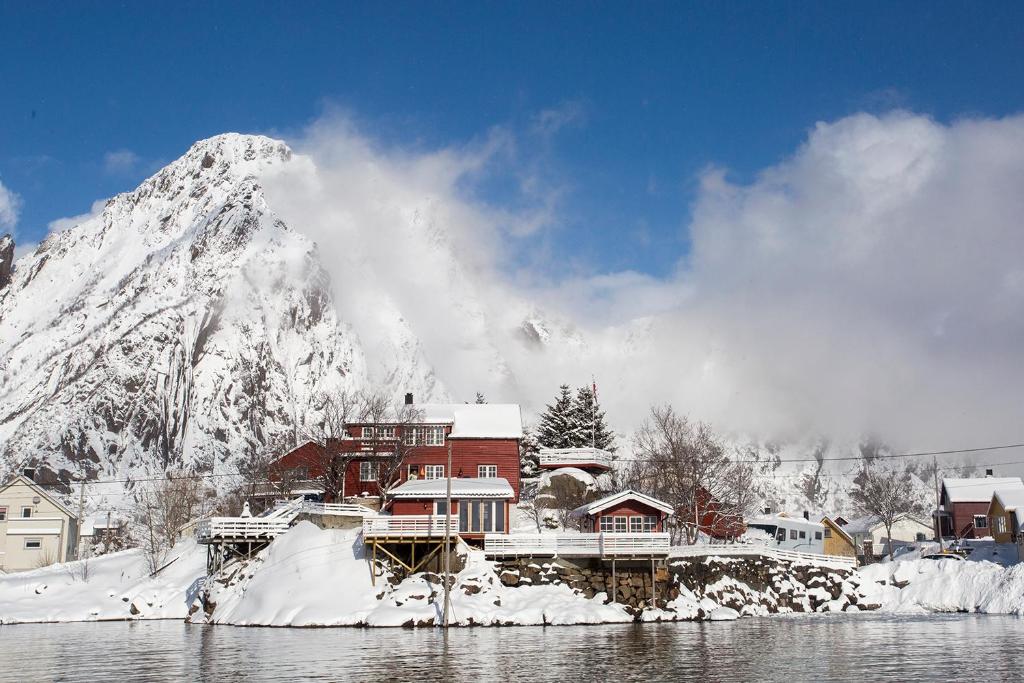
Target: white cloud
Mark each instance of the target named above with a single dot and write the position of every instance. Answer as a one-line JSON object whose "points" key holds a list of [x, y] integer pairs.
{"points": [[62, 224], [549, 121], [10, 206], [872, 282], [120, 161]]}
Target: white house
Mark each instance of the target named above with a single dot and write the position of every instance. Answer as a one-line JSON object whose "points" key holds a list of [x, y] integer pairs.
{"points": [[35, 528], [906, 529]]}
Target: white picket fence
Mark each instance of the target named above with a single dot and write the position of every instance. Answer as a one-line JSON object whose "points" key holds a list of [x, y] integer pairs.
{"points": [[738, 550], [338, 509], [567, 457], [384, 526], [240, 528], [579, 545]]}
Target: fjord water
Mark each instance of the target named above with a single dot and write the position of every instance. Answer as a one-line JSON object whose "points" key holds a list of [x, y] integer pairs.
{"points": [[803, 648]]}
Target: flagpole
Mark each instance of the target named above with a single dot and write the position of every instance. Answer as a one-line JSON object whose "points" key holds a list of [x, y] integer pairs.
{"points": [[447, 538]]}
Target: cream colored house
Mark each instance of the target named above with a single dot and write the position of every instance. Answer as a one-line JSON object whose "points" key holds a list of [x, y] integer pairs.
{"points": [[35, 528], [905, 530]]}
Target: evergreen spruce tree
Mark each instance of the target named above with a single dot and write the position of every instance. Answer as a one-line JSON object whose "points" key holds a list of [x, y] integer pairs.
{"points": [[587, 422], [554, 429], [529, 458], [480, 398]]}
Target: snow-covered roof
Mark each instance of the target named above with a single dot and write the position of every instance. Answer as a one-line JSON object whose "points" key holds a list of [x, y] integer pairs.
{"points": [[978, 489], [786, 521], [616, 498], [1010, 499], [479, 487], [90, 525], [870, 523], [470, 420]]}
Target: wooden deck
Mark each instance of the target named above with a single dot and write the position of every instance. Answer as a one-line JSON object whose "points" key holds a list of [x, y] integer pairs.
{"points": [[618, 545], [742, 550]]}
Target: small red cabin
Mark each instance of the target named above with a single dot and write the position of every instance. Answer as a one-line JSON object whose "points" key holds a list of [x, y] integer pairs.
{"points": [[624, 512]]}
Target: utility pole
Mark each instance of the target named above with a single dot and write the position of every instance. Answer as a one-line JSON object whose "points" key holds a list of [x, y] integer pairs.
{"points": [[447, 538], [938, 503], [81, 511]]}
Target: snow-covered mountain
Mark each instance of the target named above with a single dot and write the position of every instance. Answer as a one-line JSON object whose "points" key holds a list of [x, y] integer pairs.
{"points": [[184, 324]]}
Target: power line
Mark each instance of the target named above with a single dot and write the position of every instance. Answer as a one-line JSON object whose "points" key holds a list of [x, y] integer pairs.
{"points": [[861, 457]]}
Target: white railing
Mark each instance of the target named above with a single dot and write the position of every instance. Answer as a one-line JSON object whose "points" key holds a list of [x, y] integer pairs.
{"points": [[407, 525], [588, 545], [342, 509], [734, 550], [240, 528], [555, 457]]}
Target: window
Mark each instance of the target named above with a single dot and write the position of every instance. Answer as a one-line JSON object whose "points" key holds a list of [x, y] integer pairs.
{"points": [[803, 534], [433, 471], [780, 535], [424, 436], [636, 524], [980, 522], [999, 523], [920, 536], [26, 512], [487, 471], [817, 535], [386, 432], [607, 524], [367, 470], [33, 543], [614, 524], [828, 533], [482, 516], [367, 433], [650, 523], [621, 525], [792, 534], [441, 507], [3, 514]]}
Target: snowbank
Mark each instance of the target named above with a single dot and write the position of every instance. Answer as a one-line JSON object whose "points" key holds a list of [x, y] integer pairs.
{"points": [[945, 586], [317, 577], [117, 586]]}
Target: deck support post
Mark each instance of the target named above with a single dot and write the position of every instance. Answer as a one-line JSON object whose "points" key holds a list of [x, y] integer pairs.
{"points": [[654, 588], [373, 566], [615, 583]]}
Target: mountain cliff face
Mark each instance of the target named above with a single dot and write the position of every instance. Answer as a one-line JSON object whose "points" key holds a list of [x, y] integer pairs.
{"points": [[183, 325]]}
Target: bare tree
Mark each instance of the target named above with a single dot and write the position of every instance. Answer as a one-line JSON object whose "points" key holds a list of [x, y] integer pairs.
{"points": [[326, 461], [163, 508], [886, 492], [393, 451], [686, 465]]}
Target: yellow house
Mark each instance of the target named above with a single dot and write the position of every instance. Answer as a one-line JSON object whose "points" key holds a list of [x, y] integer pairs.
{"points": [[1006, 515], [35, 528], [837, 541]]}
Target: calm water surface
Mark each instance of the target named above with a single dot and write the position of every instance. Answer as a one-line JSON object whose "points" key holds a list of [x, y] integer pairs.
{"points": [[814, 648]]}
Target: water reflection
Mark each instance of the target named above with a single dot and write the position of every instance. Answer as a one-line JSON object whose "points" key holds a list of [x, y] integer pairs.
{"points": [[816, 648]]}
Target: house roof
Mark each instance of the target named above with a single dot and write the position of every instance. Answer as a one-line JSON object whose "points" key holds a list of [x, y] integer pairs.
{"points": [[478, 487], [1011, 499], [20, 479], [616, 498], [977, 489], [835, 525], [469, 420], [869, 523], [784, 519]]}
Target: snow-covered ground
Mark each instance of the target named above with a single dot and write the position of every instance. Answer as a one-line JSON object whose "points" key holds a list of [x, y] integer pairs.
{"points": [[316, 577], [117, 586]]}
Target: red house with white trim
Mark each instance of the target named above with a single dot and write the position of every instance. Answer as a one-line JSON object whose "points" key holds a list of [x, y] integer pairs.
{"points": [[624, 512], [484, 440]]}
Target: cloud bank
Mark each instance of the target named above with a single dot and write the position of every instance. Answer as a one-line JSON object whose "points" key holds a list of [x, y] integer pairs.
{"points": [[871, 282], [10, 205]]}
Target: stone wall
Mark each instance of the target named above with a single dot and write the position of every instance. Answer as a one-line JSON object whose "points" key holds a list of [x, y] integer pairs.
{"points": [[631, 584]]}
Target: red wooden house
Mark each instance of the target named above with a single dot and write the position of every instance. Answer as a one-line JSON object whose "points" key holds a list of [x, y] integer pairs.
{"points": [[484, 440], [715, 519], [624, 512], [965, 502]]}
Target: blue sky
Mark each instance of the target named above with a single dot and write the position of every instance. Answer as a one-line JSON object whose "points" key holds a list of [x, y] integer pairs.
{"points": [[94, 97]]}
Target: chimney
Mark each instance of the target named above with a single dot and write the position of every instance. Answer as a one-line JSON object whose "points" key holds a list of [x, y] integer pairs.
{"points": [[29, 473], [989, 472], [408, 399], [807, 515]]}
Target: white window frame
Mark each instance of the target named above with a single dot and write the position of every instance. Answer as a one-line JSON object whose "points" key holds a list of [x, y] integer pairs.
{"points": [[828, 533], [366, 433], [984, 520], [636, 524], [432, 471], [487, 471], [650, 524], [368, 470], [385, 432], [37, 541], [28, 509]]}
